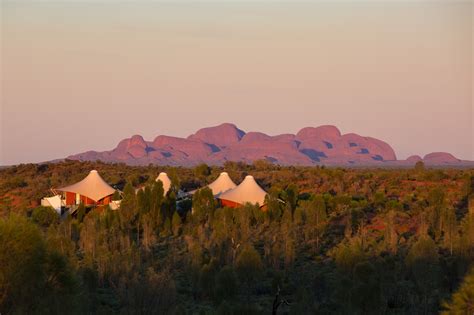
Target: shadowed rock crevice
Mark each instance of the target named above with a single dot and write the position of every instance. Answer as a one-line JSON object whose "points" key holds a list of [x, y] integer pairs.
{"points": [[377, 158], [214, 147], [328, 144], [313, 154], [271, 159]]}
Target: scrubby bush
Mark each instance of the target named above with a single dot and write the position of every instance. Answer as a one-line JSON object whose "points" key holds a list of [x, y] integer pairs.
{"points": [[45, 216]]}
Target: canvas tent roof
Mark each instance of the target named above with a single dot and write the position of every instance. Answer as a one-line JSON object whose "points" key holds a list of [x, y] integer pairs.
{"points": [[222, 184], [163, 177], [247, 191], [93, 187]]}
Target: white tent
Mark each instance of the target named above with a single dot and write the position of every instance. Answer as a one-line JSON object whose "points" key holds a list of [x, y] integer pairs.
{"points": [[93, 187], [247, 191], [163, 177], [222, 184], [54, 202]]}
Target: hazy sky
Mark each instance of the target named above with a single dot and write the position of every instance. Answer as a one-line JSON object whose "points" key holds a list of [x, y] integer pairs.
{"points": [[83, 75]]}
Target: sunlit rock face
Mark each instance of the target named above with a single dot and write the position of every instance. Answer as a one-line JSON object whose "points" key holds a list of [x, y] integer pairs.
{"points": [[220, 136], [327, 142], [440, 158], [414, 158], [323, 145]]}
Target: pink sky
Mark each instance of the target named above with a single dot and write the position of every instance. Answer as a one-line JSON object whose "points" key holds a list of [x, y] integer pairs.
{"points": [[82, 76]]}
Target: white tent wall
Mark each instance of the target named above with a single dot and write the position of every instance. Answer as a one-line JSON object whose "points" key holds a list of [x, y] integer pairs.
{"points": [[54, 202]]}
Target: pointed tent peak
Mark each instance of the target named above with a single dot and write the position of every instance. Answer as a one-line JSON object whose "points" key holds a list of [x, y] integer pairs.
{"points": [[223, 175], [92, 186], [95, 176], [247, 191], [163, 177], [249, 180], [222, 184]]}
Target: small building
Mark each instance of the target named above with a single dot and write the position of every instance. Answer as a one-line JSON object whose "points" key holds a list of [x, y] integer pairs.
{"points": [[247, 192], [90, 191]]}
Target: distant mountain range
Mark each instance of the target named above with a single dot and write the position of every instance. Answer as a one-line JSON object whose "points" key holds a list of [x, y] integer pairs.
{"points": [[323, 145]]}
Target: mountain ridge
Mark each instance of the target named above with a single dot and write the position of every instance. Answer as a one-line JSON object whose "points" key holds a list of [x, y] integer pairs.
{"points": [[322, 145]]}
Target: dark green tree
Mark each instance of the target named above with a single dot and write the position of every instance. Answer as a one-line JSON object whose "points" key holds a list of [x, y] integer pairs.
{"points": [[290, 196], [419, 166], [176, 223], [366, 295], [156, 203], [423, 263], [204, 205], [226, 284], [316, 218], [31, 275], [202, 171], [45, 216], [128, 206], [248, 265], [274, 205], [462, 301], [207, 278], [81, 212], [116, 195], [436, 199]]}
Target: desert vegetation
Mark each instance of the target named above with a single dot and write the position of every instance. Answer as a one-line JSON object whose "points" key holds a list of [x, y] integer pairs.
{"points": [[332, 240]]}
